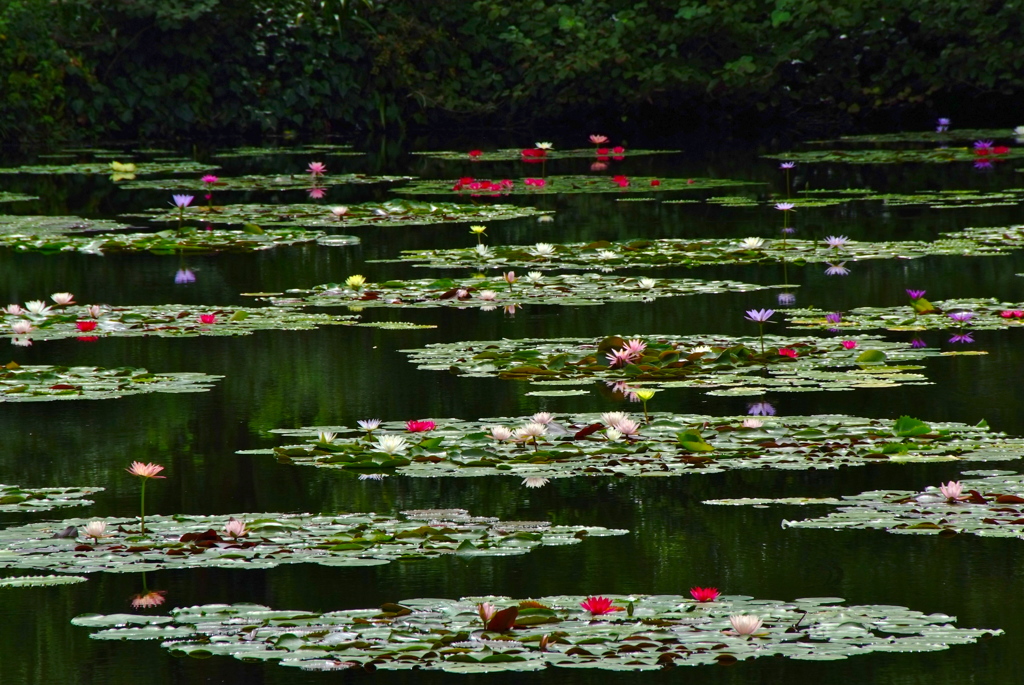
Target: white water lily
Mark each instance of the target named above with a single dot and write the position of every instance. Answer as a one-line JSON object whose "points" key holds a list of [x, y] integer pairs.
{"points": [[752, 423], [535, 481], [607, 254], [339, 211], [21, 327], [646, 283], [531, 430], [542, 417], [745, 624], [612, 435], [488, 295], [95, 530], [327, 436], [501, 433], [392, 444], [610, 418], [702, 349], [13, 309], [483, 251], [63, 299], [751, 243], [37, 307], [543, 250], [534, 277], [94, 310], [369, 424], [543, 146]]}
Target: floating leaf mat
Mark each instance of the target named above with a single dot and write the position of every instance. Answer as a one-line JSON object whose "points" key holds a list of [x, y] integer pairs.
{"points": [[988, 314], [15, 498], [27, 225], [734, 366], [313, 150], [940, 199], [181, 541], [646, 633], [672, 444], [517, 154], [136, 168], [566, 185], [169, 320], [990, 507], [930, 136], [605, 255], [876, 156], [44, 383], [493, 292], [40, 581], [392, 213], [261, 182], [15, 197]]}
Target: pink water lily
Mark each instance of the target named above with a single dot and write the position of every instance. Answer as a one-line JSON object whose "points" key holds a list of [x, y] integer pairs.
{"points": [[420, 426], [704, 594], [317, 169], [598, 606]]}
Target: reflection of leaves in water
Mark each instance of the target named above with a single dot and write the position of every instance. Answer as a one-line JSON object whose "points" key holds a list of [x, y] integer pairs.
{"points": [[15, 498], [646, 633], [564, 289], [391, 213], [990, 507], [45, 383], [574, 185], [186, 541], [672, 444]]}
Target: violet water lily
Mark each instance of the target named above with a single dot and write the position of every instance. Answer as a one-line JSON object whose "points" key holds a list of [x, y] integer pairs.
{"points": [[915, 294], [836, 241], [181, 202], [760, 317]]}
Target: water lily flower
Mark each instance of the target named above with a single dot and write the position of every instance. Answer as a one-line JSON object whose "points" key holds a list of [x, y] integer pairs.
{"points": [[13, 309], [598, 139], [531, 430], [21, 327], [420, 426], [543, 250], [610, 418], [745, 624], [951, 490], [535, 182], [145, 472], [542, 417], [635, 347], [543, 146], [700, 349], [209, 179], [961, 317], [836, 241], [369, 425], [534, 277], [788, 230], [182, 201], [751, 243], [207, 318], [607, 254], [392, 444], [182, 276], [501, 433], [785, 206], [475, 153], [849, 344], [761, 409], [478, 231], [646, 283], [355, 281], [943, 125], [235, 527], [488, 295], [752, 423], [655, 182], [95, 530], [982, 144], [85, 326], [339, 211], [618, 358], [915, 294], [327, 436], [788, 352], [94, 310], [612, 434], [759, 315], [1012, 314], [704, 594], [316, 169], [149, 600], [535, 481], [63, 299], [787, 165], [37, 308], [486, 611], [598, 606], [836, 269], [786, 299]]}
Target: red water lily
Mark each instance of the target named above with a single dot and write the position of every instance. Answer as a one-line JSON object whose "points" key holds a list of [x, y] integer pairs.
{"points": [[538, 182], [655, 182], [207, 318], [85, 326], [704, 594], [420, 426], [475, 153], [618, 150], [598, 606], [788, 352], [534, 152]]}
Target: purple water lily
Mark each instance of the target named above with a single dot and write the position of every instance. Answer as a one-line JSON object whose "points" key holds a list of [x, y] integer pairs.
{"points": [[184, 276], [836, 241], [759, 315], [916, 294], [787, 165], [760, 409], [961, 317], [918, 343], [834, 317], [982, 144]]}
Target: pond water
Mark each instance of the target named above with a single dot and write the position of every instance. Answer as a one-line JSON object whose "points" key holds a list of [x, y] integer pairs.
{"points": [[336, 375]]}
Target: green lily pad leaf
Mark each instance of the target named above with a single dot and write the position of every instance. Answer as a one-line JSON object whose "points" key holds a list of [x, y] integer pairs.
{"points": [[920, 315], [113, 168], [321, 149], [943, 155], [568, 185], [15, 197], [40, 581], [188, 541], [906, 426], [583, 445], [15, 498], [44, 383], [511, 155], [449, 635], [391, 213], [939, 137], [261, 182], [870, 357]]}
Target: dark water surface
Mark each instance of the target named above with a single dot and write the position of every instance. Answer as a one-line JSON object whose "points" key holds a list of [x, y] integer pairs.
{"points": [[336, 375]]}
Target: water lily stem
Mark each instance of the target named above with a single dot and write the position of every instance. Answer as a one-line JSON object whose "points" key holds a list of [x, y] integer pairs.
{"points": [[142, 507]]}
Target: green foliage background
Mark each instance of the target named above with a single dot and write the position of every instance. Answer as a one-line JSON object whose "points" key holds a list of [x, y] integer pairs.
{"points": [[126, 68]]}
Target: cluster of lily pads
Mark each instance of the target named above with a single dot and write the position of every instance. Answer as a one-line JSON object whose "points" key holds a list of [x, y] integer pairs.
{"points": [[252, 182], [544, 445], [46, 382], [723, 364], [506, 290], [267, 540], [563, 184], [497, 634], [962, 314], [538, 153], [15, 498], [989, 506]]}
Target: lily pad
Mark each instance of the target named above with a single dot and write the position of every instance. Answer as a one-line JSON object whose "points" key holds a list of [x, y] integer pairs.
{"points": [[45, 383], [989, 507], [15, 197], [15, 498], [33, 226], [704, 362], [640, 633], [943, 155], [551, 185], [573, 445], [170, 320], [980, 313], [126, 171], [262, 182], [391, 213], [513, 154], [40, 581], [184, 541], [930, 136], [318, 149], [494, 292]]}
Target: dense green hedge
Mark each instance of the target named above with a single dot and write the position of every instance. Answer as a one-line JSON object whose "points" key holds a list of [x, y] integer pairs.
{"points": [[192, 67]]}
